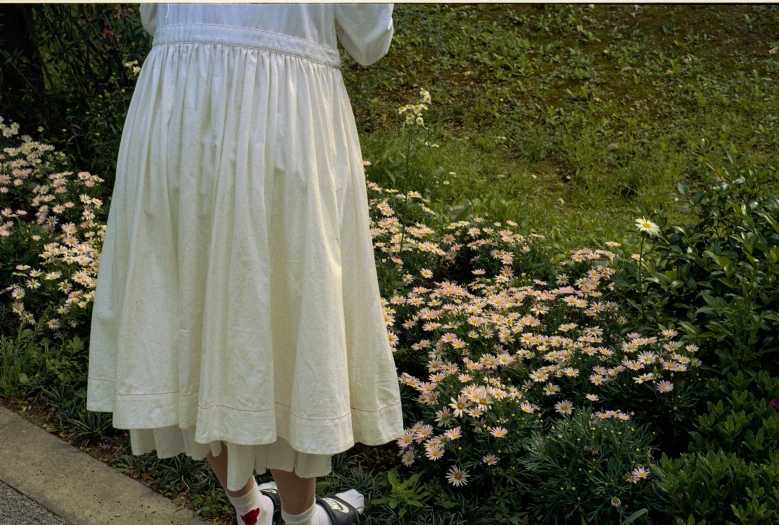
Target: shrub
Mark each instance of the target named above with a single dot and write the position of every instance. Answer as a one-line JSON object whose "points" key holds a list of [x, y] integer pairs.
{"points": [[588, 470], [90, 55], [720, 488], [29, 363], [741, 418], [718, 273]]}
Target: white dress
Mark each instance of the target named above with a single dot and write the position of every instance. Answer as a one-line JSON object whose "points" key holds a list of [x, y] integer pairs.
{"points": [[237, 298]]}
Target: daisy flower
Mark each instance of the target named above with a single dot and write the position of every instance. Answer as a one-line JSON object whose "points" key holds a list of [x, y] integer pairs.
{"points": [[647, 226], [443, 417], [434, 451], [457, 477], [664, 386], [453, 434], [564, 407], [459, 405], [639, 473], [499, 432], [406, 439], [408, 457], [550, 389], [647, 358], [490, 459], [592, 397], [474, 412], [644, 377], [424, 432], [437, 440], [437, 377]]}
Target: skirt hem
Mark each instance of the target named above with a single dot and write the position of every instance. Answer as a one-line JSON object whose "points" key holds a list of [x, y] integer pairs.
{"points": [[242, 460]]}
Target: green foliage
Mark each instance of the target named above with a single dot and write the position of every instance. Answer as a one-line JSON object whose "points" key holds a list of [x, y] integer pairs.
{"points": [[730, 474], [90, 427], [720, 488], [580, 471], [183, 470], [29, 362], [84, 49], [716, 277], [403, 495], [599, 107], [740, 418]]}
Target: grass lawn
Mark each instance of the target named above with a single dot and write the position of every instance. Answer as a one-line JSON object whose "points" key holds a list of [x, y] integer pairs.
{"points": [[564, 118]]}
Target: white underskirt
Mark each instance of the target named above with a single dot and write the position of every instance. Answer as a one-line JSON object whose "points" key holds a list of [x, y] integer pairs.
{"points": [[241, 459]]}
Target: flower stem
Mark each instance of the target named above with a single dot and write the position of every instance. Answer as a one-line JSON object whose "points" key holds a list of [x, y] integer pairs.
{"points": [[405, 190], [640, 281]]}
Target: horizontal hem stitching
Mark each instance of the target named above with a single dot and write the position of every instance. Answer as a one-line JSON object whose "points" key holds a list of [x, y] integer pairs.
{"points": [[251, 410], [377, 410], [231, 408], [266, 49]]}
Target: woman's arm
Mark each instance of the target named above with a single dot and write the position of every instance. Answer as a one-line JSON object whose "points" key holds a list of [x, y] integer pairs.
{"points": [[149, 17], [365, 30]]}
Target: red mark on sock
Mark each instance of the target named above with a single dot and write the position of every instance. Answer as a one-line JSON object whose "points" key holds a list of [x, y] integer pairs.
{"points": [[250, 518]]}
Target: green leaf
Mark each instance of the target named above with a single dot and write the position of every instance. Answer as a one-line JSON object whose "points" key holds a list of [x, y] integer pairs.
{"points": [[711, 301], [633, 517]]}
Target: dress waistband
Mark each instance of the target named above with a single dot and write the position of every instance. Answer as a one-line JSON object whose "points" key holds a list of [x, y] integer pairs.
{"points": [[246, 37]]}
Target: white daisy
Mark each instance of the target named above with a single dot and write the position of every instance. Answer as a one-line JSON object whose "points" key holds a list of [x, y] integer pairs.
{"points": [[457, 477]]}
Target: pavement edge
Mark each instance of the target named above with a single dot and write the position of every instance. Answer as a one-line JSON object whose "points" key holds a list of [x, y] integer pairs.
{"points": [[76, 486]]}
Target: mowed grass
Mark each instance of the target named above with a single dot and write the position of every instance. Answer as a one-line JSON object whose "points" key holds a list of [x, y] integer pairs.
{"points": [[565, 118]]}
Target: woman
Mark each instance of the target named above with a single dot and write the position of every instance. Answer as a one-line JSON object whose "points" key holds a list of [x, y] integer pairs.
{"points": [[237, 313]]}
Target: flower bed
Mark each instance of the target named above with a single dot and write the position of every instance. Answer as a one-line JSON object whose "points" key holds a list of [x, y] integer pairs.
{"points": [[537, 385]]}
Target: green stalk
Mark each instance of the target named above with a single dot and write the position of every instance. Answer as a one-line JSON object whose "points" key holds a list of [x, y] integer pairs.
{"points": [[640, 281], [405, 189]]}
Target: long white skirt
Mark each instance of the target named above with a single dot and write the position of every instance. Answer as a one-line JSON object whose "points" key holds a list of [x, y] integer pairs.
{"points": [[237, 297]]}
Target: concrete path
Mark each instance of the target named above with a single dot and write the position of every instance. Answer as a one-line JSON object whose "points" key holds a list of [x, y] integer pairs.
{"points": [[18, 509], [48, 476]]}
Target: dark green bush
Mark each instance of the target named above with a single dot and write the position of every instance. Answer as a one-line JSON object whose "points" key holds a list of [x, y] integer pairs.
{"points": [[84, 49], [741, 418], [731, 472], [29, 361], [715, 277], [580, 471], [721, 488]]}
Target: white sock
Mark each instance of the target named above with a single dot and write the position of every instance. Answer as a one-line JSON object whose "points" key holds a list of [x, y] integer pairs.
{"points": [[305, 518], [317, 515], [253, 508]]}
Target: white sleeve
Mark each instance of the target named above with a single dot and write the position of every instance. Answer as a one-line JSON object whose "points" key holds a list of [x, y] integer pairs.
{"points": [[365, 30], [149, 17]]}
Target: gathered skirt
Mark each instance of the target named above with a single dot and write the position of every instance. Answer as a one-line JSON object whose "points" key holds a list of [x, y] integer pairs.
{"points": [[237, 298]]}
